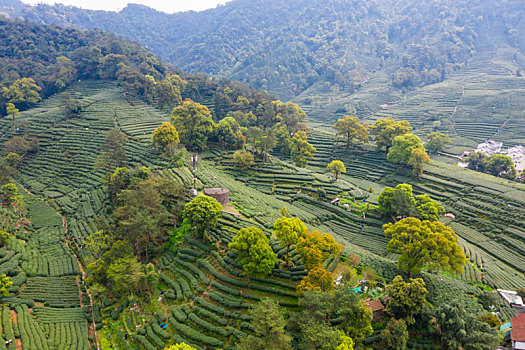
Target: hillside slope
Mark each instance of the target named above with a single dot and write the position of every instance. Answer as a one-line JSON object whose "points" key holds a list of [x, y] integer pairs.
{"points": [[453, 66], [204, 288]]}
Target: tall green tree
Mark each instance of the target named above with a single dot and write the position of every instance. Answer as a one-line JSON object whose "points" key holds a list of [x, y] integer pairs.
{"points": [[406, 299], [283, 139], [427, 208], [318, 309], [65, 72], [385, 130], [165, 135], [181, 346], [424, 243], [436, 142], [287, 231], [113, 155], [418, 158], [300, 149], [397, 202], [71, 106], [5, 284], [243, 159], [168, 94], [12, 160], [268, 324], [203, 213], [291, 115], [337, 168], [315, 247], [4, 237], [254, 252], [351, 129], [8, 193], [23, 92], [501, 165], [402, 147], [395, 335], [194, 123], [477, 161], [13, 112], [318, 279], [461, 330], [141, 218], [229, 134]]}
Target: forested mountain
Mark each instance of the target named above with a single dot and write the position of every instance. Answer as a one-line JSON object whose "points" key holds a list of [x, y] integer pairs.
{"points": [[55, 57], [302, 239], [287, 46]]}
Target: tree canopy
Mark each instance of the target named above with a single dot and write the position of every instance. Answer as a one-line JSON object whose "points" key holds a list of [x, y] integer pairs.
{"points": [[194, 123], [436, 142], [318, 309], [402, 147], [4, 236], [501, 165], [13, 112], [229, 134], [243, 159], [406, 299], [351, 129], [395, 335], [427, 208], [424, 243], [300, 149], [461, 330], [385, 130], [23, 92], [181, 346], [5, 284], [315, 247], [418, 158], [268, 325], [318, 279], [477, 161], [203, 213], [165, 135], [397, 202], [254, 252], [337, 168], [287, 231]]}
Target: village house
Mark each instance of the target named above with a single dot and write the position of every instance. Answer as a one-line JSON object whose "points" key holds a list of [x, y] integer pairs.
{"points": [[378, 309], [491, 147], [517, 333], [511, 297]]}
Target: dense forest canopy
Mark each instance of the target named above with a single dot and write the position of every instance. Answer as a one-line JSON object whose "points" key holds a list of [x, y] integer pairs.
{"points": [[55, 57], [287, 46], [320, 241]]}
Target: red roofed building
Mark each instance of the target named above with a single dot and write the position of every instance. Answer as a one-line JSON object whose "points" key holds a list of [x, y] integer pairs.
{"points": [[517, 333], [378, 310]]}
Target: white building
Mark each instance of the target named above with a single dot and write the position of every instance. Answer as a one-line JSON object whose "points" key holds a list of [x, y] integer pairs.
{"points": [[490, 147], [517, 153], [511, 297]]}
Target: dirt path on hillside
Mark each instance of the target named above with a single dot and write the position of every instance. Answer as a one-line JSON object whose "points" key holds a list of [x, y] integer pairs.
{"points": [[92, 329], [14, 320], [456, 108]]}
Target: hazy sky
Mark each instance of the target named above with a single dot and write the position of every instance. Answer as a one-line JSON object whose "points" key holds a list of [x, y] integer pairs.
{"points": [[161, 5]]}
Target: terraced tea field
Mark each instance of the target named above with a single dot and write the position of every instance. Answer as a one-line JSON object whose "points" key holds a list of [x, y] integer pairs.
{"points": [[483, 100], [206, 297]]}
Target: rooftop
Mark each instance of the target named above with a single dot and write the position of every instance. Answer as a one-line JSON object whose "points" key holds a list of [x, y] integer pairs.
{"points": [[511, 297], [217, 190], [375, 305], [518, 328]]}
